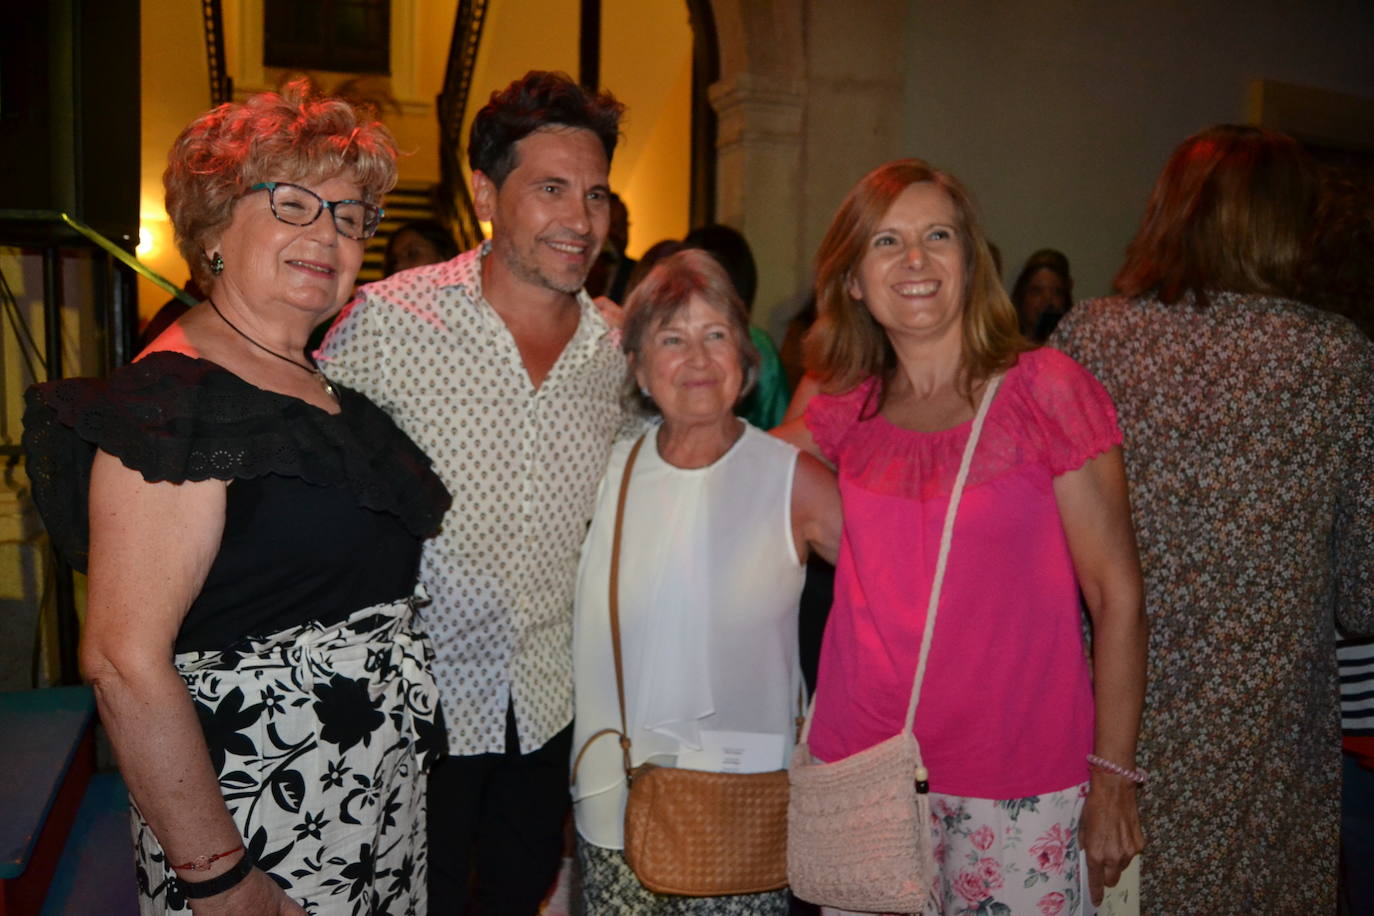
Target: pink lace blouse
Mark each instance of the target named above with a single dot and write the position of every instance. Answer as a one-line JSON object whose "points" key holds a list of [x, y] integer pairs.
{"points": [[1006, 710]]}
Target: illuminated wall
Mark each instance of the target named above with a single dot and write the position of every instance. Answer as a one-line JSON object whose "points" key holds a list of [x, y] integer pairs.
{"points": [[176, 88], [645, 59]]}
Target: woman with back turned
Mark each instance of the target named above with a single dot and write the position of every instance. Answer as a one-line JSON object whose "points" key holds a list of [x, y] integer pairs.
{"points": [[1251, 423]]}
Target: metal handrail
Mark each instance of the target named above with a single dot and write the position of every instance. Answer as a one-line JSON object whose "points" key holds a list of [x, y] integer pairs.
{"points": [[128, 260], [455, 201], [50, 231], [221, 84]]}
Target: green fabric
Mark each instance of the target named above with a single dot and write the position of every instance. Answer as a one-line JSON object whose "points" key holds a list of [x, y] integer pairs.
{"points": [[766, 404]]}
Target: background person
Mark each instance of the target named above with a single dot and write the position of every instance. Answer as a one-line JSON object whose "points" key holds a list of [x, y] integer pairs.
{"points": [[719, 520], [913, 324], [1251, 421], [1043, 293], [765, 404], [611, 271], [265, 689], [417, 243]]}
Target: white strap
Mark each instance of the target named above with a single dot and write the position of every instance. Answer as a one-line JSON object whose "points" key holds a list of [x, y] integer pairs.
{"points": [[941, 560], [945, 537]]}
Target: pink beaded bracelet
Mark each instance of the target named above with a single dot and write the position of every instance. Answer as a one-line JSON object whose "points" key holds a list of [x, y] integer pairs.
{"points": [[1137, 775]]}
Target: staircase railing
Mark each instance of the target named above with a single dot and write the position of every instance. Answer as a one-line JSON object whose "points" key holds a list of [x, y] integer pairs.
{"points": [[455, 200], [221, 84], [115, 313]]}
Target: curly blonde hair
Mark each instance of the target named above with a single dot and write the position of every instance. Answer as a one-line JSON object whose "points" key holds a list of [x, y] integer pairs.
{"points": [[294, 135]]}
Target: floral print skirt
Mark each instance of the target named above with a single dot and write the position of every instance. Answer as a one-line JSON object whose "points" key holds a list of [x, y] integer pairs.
{"points": [[321, 736], [1005, 857]]}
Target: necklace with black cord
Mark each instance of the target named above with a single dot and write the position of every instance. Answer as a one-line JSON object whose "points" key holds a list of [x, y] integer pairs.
{"points": [[314, 370]]}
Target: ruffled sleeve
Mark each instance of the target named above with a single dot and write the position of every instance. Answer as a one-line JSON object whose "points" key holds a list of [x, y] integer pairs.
{"points": [[830, 417], [1073, 416], [176, 419]]}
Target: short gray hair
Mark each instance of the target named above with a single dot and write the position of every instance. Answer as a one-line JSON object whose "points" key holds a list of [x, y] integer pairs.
{"points": [[664, 292]]}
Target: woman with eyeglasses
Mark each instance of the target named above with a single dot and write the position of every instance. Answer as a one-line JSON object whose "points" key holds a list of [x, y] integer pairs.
{"points": [[252, 534]]}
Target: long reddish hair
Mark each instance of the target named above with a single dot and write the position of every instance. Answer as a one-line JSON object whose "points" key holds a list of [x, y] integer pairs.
{"points": [[846, 345], [1230, 211]]}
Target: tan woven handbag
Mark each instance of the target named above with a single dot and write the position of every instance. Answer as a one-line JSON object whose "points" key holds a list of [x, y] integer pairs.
{"points": [[692, 832], [858, 833], [703, 834]]}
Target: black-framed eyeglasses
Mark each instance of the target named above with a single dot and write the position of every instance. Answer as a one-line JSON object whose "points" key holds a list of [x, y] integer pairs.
{"points": [[298, 206]]}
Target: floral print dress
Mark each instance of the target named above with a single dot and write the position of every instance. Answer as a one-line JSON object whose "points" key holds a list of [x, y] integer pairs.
{"points": [[1249, 428], [1005, 857]]}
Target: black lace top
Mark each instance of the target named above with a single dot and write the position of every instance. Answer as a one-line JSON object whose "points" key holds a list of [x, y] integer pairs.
{"points": [[325, 514]]}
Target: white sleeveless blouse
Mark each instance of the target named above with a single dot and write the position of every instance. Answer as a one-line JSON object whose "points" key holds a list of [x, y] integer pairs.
{"points": [[709, 586]]}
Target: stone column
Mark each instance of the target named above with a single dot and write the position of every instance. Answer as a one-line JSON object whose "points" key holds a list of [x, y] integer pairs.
{"points": [[759, 176]]}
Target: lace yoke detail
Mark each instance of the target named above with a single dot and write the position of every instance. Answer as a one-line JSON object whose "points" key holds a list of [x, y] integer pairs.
{"points": [[1049, 412], [175, 418]]}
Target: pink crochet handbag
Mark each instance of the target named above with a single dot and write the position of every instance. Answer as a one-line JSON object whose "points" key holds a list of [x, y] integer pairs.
{"points": [[858, 829]]}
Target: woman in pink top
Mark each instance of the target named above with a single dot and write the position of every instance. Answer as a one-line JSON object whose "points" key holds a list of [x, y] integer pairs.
{"points": [[914, 322]]}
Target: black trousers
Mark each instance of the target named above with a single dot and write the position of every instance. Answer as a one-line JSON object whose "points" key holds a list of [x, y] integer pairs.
{"points": [[496, 827]]}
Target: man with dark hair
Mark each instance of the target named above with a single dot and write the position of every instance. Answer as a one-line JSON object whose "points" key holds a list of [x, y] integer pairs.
{"points": [[540, 99], [502, 369]]}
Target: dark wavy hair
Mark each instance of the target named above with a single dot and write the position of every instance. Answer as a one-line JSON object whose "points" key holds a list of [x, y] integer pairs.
{"points": [[1230, 211], [540, 98], [1057, 263]]}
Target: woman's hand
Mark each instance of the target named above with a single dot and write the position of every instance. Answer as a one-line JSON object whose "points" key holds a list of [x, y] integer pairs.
{"points": [[612, 311], [1110, 833], [807, 388], [255, 895]]}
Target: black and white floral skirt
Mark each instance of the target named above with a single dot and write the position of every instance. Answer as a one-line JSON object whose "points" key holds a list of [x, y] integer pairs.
{"points": [[321, 736]]}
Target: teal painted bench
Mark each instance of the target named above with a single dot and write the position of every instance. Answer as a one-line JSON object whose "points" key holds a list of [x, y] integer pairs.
{"points": [[96, 873], [47, 756]]}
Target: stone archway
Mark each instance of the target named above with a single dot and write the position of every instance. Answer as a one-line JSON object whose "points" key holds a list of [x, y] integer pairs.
{"points": [[809, 98]]}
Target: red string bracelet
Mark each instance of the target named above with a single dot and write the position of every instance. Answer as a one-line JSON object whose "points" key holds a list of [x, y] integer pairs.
{"points": [[203, 863]]}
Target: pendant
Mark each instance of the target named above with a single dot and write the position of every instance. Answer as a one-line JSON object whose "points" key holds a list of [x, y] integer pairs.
{"points": [[326, 384]]}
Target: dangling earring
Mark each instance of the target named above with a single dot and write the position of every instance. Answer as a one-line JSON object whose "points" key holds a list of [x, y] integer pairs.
{"points": [[216, 264], [644, 392]]}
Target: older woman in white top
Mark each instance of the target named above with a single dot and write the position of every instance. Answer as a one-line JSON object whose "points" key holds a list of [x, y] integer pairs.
{"points": [[719, 520]]}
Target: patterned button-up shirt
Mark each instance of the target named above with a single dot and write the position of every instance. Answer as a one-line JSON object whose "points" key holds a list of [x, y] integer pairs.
{"points": [[522, 463]]}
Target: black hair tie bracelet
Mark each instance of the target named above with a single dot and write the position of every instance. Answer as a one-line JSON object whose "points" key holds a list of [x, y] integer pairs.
{"points": [[196, 890]]}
